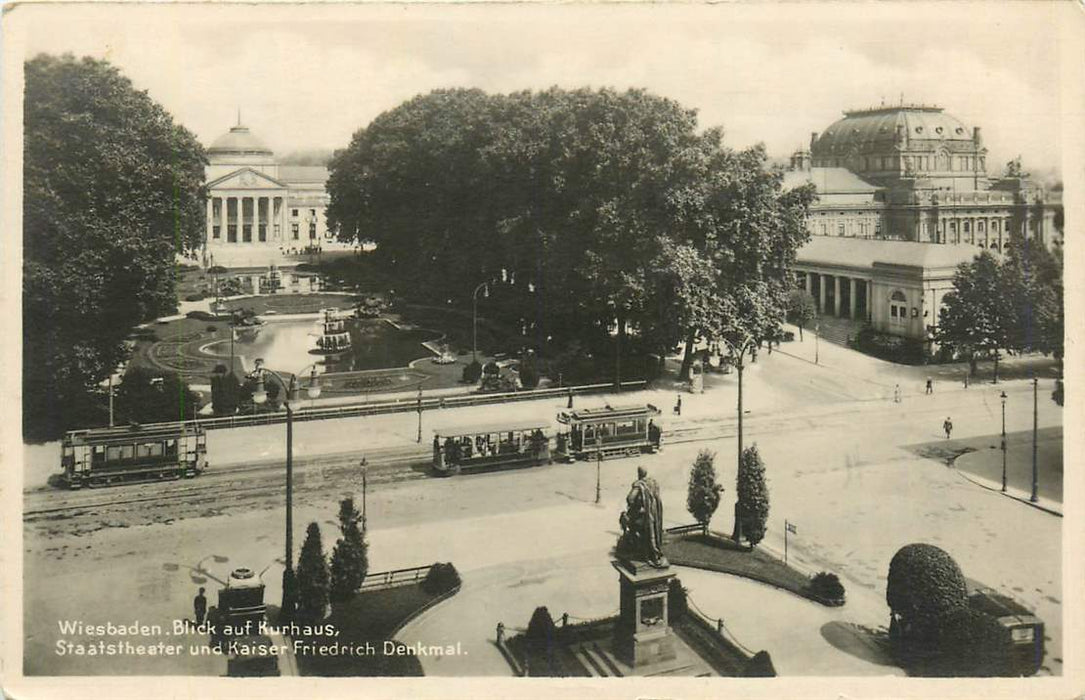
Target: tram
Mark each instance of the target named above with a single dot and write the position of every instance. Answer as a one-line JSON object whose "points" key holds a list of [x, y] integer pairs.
{"points": [[106, 456], [491, 447], [608, 432]]}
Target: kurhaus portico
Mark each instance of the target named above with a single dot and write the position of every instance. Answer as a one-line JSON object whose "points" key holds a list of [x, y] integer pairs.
{"points": [[256, 207]]}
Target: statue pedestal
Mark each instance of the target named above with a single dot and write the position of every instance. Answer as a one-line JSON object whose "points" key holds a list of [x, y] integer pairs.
{"points": [[642, 635]]}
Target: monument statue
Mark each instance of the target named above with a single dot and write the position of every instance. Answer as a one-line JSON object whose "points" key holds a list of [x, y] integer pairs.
{"points": [[642, 523]]}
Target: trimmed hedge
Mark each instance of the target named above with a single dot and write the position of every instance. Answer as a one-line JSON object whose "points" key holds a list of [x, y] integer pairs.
{"points": [[201, 316], [925, 585], [827, 586], [893, 348], [973, 643], [471, 372], [441, 578], [677, 603]]}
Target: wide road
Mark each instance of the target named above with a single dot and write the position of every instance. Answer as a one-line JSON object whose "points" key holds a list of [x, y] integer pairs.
{"points": [[841, 463]]}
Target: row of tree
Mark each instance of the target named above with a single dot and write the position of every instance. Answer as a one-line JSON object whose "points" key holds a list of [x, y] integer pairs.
{"points": [[112, 190], [609, 208], [320, 582], [1010, 304], [752, 500]]}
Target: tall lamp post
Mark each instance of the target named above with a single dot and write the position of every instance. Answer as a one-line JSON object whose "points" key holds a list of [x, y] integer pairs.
{"points": [[1003, 397], [598, 462], [365, 473], [474, 318], [817, 329], [259, 396], [1035, 418]]}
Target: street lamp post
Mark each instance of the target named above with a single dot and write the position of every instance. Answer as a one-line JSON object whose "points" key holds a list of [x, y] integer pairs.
{"points": [[365, 474], [474, 319], [1035, 418], [817, 329], [598, 463], [259, 396], [420, 411], [1003, 397]]}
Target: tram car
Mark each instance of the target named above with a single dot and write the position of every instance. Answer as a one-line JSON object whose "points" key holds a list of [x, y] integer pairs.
{"points": [[622, 431], [107, 456], [486, 447]]}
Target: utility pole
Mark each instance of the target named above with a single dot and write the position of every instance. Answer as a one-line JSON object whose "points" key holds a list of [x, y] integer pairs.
{"points": [[598, 463], [1003, 397], [110, 399], [420, 412], [1035, 419]]}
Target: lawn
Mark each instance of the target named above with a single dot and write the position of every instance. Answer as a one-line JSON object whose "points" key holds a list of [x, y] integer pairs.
{"points": [[291, 303], [368, 617], [718, 553]]}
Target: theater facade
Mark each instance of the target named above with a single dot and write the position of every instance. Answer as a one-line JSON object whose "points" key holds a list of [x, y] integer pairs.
{"points": [[904, 196]]}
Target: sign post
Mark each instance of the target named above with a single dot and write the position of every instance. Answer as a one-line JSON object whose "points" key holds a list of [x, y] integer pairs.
{"points": [[788, 527]]}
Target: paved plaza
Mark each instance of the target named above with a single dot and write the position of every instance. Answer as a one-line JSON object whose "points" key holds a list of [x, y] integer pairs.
{"points": [[841, 463]]}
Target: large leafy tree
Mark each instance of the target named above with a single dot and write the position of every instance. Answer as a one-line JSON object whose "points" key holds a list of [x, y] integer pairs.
{"points": [[978, 316], [112, 190], [144, 396]]}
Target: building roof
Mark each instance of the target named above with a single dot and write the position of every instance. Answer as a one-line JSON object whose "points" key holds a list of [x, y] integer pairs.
{"points": [[303, 173], [829, 180], [238, 141], [865, 252], [876, 130]]}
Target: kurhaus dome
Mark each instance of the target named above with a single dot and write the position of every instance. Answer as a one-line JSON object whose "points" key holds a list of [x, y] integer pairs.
{"points": [[880, 129], [238, 141]]}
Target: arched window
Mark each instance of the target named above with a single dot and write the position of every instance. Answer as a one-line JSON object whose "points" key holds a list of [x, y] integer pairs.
{"points": [[898, 296]]}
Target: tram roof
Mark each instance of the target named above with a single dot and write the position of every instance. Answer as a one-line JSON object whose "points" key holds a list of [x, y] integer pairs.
{"points": [[608, 413], [491, 428], [128, 432]]}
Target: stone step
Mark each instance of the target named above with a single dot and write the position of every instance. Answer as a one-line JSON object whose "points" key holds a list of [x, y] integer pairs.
{"points": [[593, 668], [611, 664]]}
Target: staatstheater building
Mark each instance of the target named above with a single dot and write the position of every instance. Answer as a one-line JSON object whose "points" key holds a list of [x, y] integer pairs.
{"points": [[904, 196], [258, 209]]}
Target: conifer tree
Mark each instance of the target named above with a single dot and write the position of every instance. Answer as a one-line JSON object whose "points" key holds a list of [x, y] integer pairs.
{"points": [[312, 578], [704, 493], [349, 558], [752, 508]]}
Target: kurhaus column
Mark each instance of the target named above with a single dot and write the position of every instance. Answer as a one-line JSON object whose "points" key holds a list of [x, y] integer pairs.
{"points": [[809, 283], [869, 299], [852, 305], [836, 295], [821, 293]]}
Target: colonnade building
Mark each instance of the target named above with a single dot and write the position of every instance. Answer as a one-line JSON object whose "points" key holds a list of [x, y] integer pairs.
{"points": [[904, 197], [258, 209]]}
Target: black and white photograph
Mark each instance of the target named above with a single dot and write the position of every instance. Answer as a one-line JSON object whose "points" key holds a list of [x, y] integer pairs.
{"points": [[528, 349]]}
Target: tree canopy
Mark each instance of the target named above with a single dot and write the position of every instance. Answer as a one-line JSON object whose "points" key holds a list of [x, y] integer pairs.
{"points": [[112, 190], [617, 211]]}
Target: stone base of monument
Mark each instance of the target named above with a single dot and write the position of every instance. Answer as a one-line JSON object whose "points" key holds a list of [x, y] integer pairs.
{"points": [[643, 638]]}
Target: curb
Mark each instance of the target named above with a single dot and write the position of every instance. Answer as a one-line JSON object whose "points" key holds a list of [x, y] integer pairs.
{"points": [[1018, 496]]}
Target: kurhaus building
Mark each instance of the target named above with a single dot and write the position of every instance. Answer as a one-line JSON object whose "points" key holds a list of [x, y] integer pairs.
{"points": [[256, 205], [904, 197]]}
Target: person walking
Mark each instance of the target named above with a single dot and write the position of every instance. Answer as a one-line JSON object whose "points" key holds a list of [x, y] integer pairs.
{"points": [[948, 427], [896, 393], [930, 386], [678, 406], [199, 606]]}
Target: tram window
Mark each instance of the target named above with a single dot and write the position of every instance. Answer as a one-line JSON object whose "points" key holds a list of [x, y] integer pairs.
{"points": [[171, 447], [113, 453], [149, 449], [98, 453]]}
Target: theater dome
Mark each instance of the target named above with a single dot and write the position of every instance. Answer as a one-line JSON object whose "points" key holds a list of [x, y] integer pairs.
{"points": [[878, 130]]}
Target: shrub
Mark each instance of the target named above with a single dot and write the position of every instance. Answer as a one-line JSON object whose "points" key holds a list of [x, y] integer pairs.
{"points": [[703, 496], [198, 296], [217, 269], [529, 371], [211, 328], [312, 577], [752, 506], [677, 603], [924, 586], [471, 372], [827, 586], [441, 579], [491, 368], [886, 346], [973, 643], [200, 315], [759, 666], [540, 630]]}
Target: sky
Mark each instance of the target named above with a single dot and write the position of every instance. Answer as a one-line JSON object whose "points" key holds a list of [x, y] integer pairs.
{"points": [[307, 77]]}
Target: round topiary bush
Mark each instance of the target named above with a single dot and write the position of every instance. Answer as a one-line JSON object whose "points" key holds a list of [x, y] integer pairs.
{"points": [[827, 587], [471, 372], [973, 643], [441, 579], [925, 585]]}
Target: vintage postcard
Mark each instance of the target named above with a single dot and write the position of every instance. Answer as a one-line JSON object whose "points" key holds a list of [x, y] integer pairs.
{"points": [[520, 349]]}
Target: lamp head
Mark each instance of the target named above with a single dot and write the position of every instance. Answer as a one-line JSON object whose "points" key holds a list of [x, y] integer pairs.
{"points": [[314, 387]]}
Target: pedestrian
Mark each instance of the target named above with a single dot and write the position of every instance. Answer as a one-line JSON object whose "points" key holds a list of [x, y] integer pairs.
{"points": [[199, 606], [500, 632], [896, 393], [930, 386], [948, 427], [678, 406], [570, 398], [966, 380]]}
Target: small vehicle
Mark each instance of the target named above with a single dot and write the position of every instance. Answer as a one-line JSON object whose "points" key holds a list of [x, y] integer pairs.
{"points": [[107, 456], [622, 431], [236, 625], [1026, 630], [492, 446]]}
